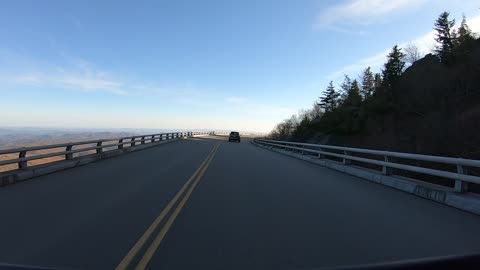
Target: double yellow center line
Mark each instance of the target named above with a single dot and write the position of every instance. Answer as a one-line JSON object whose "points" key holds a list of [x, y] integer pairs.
{"points": [[147, 256]]}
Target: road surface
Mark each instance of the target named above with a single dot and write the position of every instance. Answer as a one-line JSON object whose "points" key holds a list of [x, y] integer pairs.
{"points": [[242, 207]]}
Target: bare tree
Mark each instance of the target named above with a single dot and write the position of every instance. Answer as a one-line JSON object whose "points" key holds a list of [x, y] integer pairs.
{"points": [[412, 53], [316, 111]]}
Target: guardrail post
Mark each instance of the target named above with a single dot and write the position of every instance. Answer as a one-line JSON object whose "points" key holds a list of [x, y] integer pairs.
{"points": [[69, 156], [99, 150], [460, 186], [347, 161], [132, 141], [22, 164], [143, 140], [385, 169], [120, 144], [153, 139], [320, 155]]}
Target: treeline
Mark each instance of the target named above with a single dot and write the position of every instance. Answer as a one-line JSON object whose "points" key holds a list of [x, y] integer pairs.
{"points": [[343, 110]]}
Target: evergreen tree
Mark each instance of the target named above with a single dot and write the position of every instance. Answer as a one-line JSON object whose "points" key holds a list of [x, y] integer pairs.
{"points": [[329, 99], [354, 89], [345, 87], [465, 35], [353, 96], [378, 81], [368, 83], [393, 69], [446, 37]]}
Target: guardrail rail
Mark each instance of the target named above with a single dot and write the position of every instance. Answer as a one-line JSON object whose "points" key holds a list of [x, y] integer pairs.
{"points": [[388, 162], [83, 148]]}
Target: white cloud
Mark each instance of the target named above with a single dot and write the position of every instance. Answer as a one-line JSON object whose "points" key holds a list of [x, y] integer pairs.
{"points": [[236, 100], [375, 62], [73, 81], [78, 74], [425, 43], [92, 84], [362, 12]]}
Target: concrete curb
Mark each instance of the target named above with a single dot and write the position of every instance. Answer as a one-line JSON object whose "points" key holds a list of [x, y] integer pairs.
{"points": [[15, 176], [468, 202]]}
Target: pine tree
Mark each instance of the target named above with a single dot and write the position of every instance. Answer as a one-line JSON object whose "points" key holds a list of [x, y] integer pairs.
{"points": [[354, 89], [353, 96], [378, 81], [465, 35], [446, 37], [345, 87], [393, 69], [329, 100], [368, 83]]}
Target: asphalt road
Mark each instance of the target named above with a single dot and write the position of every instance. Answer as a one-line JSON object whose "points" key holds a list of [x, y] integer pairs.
{"points": [[242, 207]]}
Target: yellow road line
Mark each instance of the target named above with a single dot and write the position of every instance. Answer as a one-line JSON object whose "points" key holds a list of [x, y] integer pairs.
{"points": [[156, 242], [139, 244]]}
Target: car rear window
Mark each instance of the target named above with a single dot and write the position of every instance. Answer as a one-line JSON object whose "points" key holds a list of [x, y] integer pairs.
{"points": [[233, 133]]}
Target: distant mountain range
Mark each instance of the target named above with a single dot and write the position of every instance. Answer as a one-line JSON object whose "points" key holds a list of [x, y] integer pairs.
{"points": [[18, 137], [12, 137]]}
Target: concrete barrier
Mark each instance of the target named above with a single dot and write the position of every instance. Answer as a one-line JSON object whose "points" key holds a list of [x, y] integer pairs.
{"points": [[465, 201], [12, 177]]}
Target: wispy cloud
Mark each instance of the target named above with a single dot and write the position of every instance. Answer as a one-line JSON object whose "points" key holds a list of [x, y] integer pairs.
{"points": [[181, 91], [425, 43], [375, 62], [236, 100], [81, 76], [92, 84], [247, 106], [361, 12], [77, 74]]}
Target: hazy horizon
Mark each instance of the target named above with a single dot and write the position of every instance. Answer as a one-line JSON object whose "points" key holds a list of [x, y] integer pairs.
{"points": [[139, 131]]}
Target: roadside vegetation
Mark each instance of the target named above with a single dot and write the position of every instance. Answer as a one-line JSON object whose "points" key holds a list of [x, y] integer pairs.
{"points": [[416, 104]]}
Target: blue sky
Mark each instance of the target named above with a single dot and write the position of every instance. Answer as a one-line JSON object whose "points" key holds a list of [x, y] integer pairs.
{"points": [[221, 64]]}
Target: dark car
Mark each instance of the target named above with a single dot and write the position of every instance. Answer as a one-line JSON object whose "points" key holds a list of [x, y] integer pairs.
{"points": [[234, 137]]}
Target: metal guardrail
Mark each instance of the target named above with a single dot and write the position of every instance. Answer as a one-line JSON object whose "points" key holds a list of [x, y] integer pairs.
{"points": [[388, 164], [100, 147]]}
